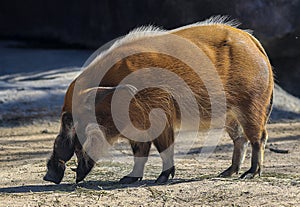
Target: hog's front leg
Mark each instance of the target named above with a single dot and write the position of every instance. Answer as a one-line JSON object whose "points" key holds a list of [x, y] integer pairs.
{"points": [[141, 153]]}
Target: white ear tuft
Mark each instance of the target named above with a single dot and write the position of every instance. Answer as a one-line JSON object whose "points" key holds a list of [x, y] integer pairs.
{"points": [[130, 88], [89, 95]]}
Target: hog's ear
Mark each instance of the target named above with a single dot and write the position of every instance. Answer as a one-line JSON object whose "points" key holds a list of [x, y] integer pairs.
{"points": [[97, 94], [94, 96], [124, 94]]}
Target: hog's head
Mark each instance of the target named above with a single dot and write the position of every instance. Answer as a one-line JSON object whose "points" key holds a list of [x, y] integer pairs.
{"points": [[88, 140], [63, 150]]}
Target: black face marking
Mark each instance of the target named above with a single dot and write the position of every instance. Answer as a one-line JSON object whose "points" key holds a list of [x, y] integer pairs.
{"points": [[67, 122], [63, 150]]}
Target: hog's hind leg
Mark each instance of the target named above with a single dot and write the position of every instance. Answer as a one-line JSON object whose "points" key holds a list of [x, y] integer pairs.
{"points": [[165, 146], [254, 127], [240, 142], [258, 148]]}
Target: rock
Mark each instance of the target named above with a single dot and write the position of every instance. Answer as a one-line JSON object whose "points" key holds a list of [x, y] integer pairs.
{"points": [[45, 131], [277, 24], [286, 106], [92, 23], [35, 103]]}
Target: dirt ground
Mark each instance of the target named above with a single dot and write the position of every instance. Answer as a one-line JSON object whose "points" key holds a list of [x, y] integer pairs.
{"points": [[24, 151]]}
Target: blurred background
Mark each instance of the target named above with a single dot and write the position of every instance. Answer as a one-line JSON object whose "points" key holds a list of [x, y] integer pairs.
{"points": [[44, 35]]}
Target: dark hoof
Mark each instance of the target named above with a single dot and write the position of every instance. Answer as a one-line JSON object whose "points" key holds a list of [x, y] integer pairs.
{"points": [[225, 174], [162, 179], [51, 179], [164, 176], [79, 179], [250, 174], [247, 176], [228, 173], [129, 180]]}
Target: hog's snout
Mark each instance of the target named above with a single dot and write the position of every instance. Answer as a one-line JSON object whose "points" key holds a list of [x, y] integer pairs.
{"points": [[55, 170]]}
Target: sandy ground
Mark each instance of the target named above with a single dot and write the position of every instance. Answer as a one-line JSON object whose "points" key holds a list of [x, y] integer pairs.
{"points": [[24, 151], [37, 92]]}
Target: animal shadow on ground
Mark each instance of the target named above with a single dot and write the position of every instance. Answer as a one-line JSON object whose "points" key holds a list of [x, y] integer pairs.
{"points": [[89, 185]]}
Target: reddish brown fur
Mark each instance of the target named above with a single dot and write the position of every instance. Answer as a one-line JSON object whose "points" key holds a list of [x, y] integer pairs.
{"points": [[245, 72]]}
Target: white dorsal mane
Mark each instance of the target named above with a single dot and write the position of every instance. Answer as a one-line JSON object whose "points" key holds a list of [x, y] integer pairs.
{"points": [[151, 31]]}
